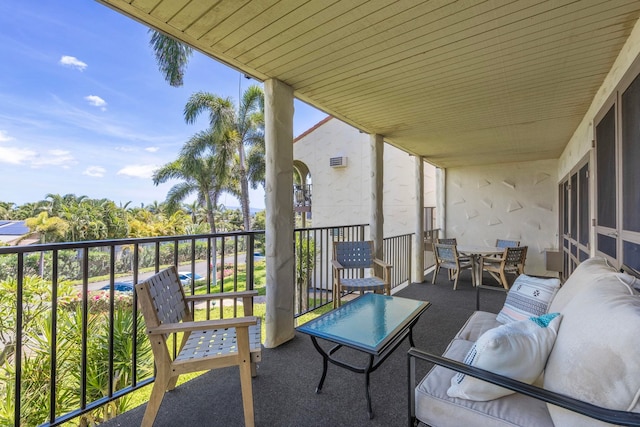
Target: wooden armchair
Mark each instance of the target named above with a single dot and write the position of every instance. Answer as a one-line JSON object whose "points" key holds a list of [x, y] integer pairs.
{"points": [[511, 262], [205, 345], [358, 256], [447, 257]]}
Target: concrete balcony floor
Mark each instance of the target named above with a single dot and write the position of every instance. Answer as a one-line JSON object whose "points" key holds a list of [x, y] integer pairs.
{"points": [[284, 390]]}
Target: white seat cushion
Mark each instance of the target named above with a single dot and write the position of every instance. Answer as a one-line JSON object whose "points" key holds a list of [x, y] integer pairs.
{"points": [[435, 408]]}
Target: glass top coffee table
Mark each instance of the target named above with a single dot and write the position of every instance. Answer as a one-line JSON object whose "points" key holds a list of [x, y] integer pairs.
{"points": [[372, 323]]}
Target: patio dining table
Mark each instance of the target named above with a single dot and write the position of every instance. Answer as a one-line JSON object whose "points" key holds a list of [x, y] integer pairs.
{"points": [[474, 253]]}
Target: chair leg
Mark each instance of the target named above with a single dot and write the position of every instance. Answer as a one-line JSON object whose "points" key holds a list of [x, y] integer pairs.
{"points": [[503, 280], [435, 273], [157, 394], [455, 283], [244, 359]]}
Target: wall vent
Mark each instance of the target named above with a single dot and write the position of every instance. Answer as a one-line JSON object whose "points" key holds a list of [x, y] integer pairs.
{"points": [[338, 162]]}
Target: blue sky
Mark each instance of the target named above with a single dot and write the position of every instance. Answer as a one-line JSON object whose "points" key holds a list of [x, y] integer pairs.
{"points": [[84, 109]]}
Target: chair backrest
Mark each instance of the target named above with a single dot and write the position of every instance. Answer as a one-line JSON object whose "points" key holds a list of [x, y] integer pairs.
{"points": [[516, 255], [500, 243], [445, 253], [162, 299], [354, 254], [449, 241]]}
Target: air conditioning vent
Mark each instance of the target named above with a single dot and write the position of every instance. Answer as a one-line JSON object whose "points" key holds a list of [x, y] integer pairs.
{"points": [[338, 162]]}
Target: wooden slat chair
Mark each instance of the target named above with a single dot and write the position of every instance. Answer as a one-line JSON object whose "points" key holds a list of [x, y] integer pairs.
{"points": [[447, 257], [207, 344], [511, 262], [358, 256], [453, 241]]}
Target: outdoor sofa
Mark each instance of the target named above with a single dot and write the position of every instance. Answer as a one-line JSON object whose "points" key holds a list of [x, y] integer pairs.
{"points": [[586, 358]]}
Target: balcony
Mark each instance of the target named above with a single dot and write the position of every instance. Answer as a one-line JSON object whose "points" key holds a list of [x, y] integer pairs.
{"points": [[83, 344]]}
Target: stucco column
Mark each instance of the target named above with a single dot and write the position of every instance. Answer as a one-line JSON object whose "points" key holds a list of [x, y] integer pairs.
{"points": [[441, 201], [376, 223], [279, 213], [418, 236]]}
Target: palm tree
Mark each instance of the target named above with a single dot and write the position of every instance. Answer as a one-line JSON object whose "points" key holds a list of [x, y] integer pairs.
{"points": [[48, 229], [199, 174], [171, 55], [246, 127], [233, 132]]}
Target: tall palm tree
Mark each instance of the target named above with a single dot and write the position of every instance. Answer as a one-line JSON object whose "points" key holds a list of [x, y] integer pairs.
{"points": [[200, 173], [233, 132]]}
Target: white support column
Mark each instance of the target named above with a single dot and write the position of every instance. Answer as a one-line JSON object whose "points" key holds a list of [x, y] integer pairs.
{"points": [[417, 274], [279, 213], [441, 202], [376, 224]]}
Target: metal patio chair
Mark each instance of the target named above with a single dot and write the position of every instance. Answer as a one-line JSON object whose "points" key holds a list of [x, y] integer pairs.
{"points": [[350, 256], [205, 345]]}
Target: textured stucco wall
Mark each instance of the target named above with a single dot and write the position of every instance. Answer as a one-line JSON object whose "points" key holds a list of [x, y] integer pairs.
{"points": [[342, 195], [516, 201]]}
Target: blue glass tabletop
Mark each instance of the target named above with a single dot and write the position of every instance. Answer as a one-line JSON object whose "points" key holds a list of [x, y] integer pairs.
{"points": [[368, 322]]}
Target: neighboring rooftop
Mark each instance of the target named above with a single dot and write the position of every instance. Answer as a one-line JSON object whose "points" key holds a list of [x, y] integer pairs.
{"points": [[11, 231]]}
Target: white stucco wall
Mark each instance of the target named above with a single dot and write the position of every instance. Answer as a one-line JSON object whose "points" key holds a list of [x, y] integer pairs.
{"points": [[341, 196], [516, 201]]}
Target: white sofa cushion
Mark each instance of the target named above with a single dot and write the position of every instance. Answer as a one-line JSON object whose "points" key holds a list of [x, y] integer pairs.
{"points": [[595, 357], [477, 324], [528, 296], [518, 350], [584, 275], [435, 408]]}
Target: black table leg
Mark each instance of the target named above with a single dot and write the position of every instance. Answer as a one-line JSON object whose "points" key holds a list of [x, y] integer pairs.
{"points": [[325, 363], [368, 395]]}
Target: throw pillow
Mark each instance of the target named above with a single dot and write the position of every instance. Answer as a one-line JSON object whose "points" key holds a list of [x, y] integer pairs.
{"points": [[518, 350], [528, 296]]}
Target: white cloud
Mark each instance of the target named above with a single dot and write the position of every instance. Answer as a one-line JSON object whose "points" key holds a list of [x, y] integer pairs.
{"points": [[152, 149], [25, 156], [4, 137], [73, 62], [96, 101], [126, 149], [54, 158], [15, 155], [138, 171], [95, 171]]}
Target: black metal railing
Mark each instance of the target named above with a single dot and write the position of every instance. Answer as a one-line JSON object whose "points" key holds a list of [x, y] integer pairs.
{"points": [[72, 345]]}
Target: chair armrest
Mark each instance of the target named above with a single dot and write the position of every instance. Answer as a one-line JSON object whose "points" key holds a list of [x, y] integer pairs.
{"points": [[336, 264], [613, 416], [382, 263], [221, 296], [247, 298], [236, 322]]}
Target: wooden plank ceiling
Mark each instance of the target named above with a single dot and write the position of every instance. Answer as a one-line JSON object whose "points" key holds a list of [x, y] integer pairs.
{"points": [[462, 83]]}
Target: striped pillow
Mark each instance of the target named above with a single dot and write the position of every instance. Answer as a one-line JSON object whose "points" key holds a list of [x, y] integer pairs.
{"points": [[529, 296]]}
